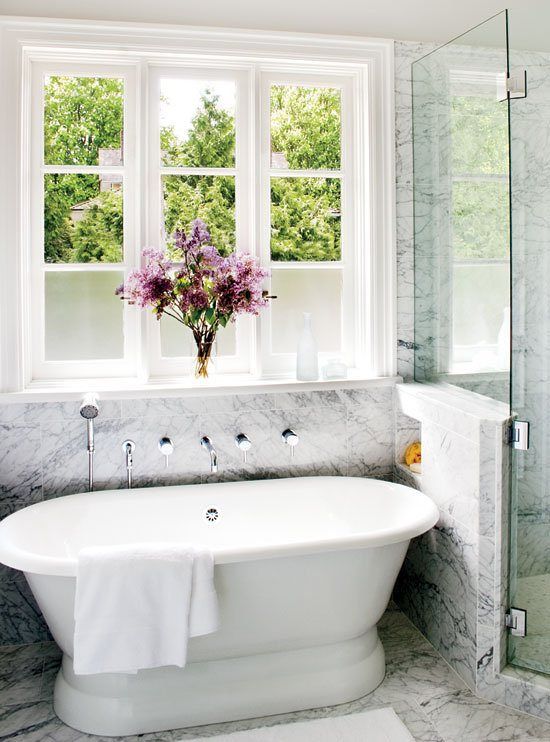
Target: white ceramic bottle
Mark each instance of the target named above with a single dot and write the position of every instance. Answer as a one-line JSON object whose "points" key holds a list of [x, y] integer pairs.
{"points": [[307, 362]]}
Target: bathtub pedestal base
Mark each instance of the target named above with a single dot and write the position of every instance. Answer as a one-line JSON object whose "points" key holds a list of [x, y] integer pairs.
{"points": [[219, 690]]}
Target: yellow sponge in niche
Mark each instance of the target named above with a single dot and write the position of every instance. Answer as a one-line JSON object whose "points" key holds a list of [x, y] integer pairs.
{"points": [[413, 453]]}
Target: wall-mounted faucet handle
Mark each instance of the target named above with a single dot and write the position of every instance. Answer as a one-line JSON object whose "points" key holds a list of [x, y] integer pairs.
{"points": [[291, 439], [128, 448], [244, 444], [207, 443], [166, 447]]}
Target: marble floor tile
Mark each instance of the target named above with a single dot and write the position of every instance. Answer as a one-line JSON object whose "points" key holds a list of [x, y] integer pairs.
{"points": [[427, 695], [462, 717], [20, 674]]}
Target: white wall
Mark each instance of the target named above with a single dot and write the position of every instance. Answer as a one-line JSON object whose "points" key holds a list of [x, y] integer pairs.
{"points": [[437, 20]]}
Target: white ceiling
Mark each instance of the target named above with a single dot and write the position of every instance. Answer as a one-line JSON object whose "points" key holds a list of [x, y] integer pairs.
{"points": [[422, 20]]}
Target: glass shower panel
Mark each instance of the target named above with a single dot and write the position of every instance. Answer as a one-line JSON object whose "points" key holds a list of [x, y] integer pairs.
{"points": [[461, 209], [530, 510]]}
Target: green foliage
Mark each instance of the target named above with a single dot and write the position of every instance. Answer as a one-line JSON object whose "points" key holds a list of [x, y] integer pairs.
{"points": [[479, 130], [210, 198], [98, 236], [305, 126], [81, 115], [61, 192], [480, 227], [479, 134], [211, 139], [305, 219]]}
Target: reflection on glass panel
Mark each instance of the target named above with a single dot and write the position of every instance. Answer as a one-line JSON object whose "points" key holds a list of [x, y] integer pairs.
{"points": [[177, 340], [83, 120], [461, 212], [305, 219], [208, 197], [318, 292], [83, 316], [481, 316], [480, 225], [197, 123], [479, 134], [305, 127], [83, 220]]}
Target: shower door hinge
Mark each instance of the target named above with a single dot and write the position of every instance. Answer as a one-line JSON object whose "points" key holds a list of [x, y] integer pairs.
{"points": [[516, 621], [516, 85], [518, 435]]}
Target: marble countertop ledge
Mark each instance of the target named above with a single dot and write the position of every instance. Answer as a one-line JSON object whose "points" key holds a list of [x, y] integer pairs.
{"points": [[455, 409], [214, 386]]}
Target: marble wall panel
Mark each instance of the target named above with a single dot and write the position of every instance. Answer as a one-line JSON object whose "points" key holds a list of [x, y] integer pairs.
{"points": [[43, 453]]}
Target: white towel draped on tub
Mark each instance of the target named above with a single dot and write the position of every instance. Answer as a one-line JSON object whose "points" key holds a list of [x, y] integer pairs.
{"points": [[136, 606]]}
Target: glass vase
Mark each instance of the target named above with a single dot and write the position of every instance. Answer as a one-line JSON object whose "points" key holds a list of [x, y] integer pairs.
{"points": [[204, 359]]}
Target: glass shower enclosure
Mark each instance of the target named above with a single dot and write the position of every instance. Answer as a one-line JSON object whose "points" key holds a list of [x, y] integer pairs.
{"points": [[481, 118]]}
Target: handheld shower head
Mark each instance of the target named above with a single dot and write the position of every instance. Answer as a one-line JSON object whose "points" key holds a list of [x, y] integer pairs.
{"points": [[89, 409]]}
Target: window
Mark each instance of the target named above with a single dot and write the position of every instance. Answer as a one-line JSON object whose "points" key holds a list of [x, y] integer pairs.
{"points": [[308, 244], [480, 226], [278, 157], [83, 226], [199, 168]]}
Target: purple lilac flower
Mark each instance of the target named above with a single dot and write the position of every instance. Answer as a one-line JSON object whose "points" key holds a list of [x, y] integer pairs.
{"points": [[225, 286], [239, 286], [150, 285]]}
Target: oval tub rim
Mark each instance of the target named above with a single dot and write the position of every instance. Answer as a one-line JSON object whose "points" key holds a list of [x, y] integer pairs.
{"points": [[15, 557]]}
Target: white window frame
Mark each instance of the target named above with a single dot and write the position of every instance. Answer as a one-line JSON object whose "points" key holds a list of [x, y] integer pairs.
{"points": [[37, 268], [241, 362], [350, 265], [143, 49]]}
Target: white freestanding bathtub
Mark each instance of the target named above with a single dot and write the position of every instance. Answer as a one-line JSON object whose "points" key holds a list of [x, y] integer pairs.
{"points": [[304, 570]]}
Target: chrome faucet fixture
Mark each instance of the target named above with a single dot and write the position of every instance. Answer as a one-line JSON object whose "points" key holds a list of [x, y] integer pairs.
{"points": [[128, 448], [244, 444], [89, 411], [166, 447], [291, 439], [208, 445]]}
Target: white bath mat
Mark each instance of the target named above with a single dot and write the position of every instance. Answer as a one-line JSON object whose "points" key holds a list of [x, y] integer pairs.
{"points": [[380, 725]]}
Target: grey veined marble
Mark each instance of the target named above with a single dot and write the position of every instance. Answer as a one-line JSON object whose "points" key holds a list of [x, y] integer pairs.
{"points": [[43, 453], [430, 699]]}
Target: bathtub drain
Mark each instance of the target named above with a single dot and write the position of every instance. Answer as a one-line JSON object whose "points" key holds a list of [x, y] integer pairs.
{"points": [[212, 514]]}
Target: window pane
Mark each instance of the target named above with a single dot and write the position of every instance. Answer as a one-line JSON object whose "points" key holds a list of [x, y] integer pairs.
{"points": [[305, 219], [197, 123], [177, 341], [316, 291], [210, 198], [479, 131], [480, 223], [83, 316], [481, 300], [83, 218], [305, 127], [83, 120]]}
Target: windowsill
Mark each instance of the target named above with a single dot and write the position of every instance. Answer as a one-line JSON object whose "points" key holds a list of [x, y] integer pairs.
{"points": [[466, 371], [181, 387]]}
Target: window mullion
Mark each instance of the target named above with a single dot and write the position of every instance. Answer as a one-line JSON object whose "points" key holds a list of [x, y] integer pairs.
{"points": [[284, 173]]}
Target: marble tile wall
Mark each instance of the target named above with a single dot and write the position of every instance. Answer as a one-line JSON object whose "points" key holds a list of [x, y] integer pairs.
{"points": [[43, 453], [405, 54], [445, 585]]}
